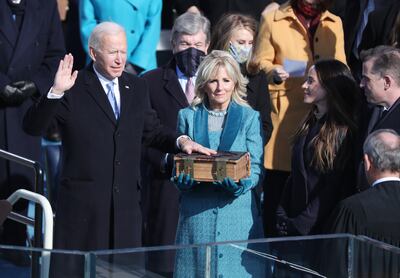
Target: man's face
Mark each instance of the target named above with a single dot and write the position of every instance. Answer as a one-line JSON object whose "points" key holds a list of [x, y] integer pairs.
{"points": [[184, 41], [110, 59], [373, 84]]}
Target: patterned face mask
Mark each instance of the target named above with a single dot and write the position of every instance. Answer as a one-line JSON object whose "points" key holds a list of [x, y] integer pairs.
{"points": [[241, 53]]}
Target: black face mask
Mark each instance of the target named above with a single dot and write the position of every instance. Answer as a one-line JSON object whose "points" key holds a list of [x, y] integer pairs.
{"points": [[188, 60]]}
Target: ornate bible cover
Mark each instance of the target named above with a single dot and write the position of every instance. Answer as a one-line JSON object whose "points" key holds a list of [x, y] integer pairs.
{"points": [[235, 165]]}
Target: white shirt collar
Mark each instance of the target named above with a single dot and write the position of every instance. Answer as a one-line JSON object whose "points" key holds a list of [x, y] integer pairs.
{"points": [[385, 179], [104, 81]]}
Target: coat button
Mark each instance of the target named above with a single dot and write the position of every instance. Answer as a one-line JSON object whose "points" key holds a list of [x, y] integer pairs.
{"points": [[132, 31], [220, 256], [118, 134], [117, 162], [116, 189], [316, 39], [316, 57]]}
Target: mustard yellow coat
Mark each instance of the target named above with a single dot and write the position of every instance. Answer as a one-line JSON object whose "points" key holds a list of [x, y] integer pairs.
{"points": [[282, 36]]}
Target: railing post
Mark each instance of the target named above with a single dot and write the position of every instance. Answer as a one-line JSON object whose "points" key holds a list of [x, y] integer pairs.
{"points": [[38, 186]]}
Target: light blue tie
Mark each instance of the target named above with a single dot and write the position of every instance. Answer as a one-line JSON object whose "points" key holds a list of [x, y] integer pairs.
{"points": [[112, 99]]}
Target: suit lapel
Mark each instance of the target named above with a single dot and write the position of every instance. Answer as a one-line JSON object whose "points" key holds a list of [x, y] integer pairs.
{"points": [[126, 90], [381, 120], [96, 91], [30, 25], [231, 126], [8, 27], [374, 119], [172, 85], [200, 126]]}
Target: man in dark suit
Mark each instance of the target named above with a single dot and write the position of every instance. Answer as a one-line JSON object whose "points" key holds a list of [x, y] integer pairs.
{"points": [[104, 117], [374, 212], [31, 45], [169, 92], [381, 84]]}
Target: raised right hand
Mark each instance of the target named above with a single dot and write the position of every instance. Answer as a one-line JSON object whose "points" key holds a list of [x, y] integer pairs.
{"points": [[65, 78]]}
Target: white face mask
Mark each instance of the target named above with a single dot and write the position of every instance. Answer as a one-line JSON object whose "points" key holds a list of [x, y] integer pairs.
{"points": [[241, 53]]}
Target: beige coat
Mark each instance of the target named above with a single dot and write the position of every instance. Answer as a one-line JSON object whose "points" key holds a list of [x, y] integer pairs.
{"points": [[282, 36]]}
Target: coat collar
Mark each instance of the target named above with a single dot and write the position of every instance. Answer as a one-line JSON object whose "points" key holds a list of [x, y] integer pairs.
{"points": [[230, 131], [8, 28], [286, 11], [172, 85]]}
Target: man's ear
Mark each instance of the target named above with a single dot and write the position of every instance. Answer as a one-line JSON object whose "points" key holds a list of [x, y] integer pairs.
{"points": [[387, 82], [92, 53], [367, 163]]}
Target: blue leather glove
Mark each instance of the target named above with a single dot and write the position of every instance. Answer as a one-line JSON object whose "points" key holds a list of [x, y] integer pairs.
{"points": [[183, 182], [235, 188]]}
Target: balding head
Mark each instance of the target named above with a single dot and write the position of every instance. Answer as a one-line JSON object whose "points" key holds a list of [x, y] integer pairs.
{"points": [[382, 154]]}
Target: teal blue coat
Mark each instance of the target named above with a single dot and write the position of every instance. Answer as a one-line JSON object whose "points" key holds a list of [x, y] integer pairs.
{"points": [[211, 214], [140, 18]]}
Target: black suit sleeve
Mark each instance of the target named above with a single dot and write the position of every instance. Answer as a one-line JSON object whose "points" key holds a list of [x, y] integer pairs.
{"points": [[155, 134]]}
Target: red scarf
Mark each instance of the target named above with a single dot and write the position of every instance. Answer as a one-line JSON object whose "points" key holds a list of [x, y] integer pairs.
{"points": [[313, 25], [307, 9]]}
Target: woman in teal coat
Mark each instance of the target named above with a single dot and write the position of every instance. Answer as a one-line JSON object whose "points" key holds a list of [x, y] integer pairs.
{"points": [[141, 20], [220, 119]]}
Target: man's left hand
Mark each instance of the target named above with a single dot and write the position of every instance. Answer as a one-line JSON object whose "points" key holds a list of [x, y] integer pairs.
{"points": [[188, 146]]}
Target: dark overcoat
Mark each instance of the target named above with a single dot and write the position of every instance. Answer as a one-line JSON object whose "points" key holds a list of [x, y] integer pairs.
{"points": [[370, 121], [33, 55], [99, 195], [161, 195]]}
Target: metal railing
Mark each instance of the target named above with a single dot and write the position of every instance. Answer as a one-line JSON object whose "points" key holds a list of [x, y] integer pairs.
{"points": [[39, 188]]}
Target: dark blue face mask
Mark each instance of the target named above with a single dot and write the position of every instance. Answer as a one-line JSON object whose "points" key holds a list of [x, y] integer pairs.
{"points": [[188, 60]]}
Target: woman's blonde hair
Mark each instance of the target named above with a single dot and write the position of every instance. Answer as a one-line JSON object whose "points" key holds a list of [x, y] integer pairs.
{"points": [[207, 71]]}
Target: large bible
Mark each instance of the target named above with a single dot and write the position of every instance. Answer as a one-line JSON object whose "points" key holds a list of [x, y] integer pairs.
{"points": [[235, 165]]}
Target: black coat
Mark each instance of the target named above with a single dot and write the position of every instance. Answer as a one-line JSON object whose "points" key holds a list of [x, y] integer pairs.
{"points": [[259, 99], [373, 213], [370, 122], [161, 197], [99, 195], [310, 195], [379, 26], [33, 55]]}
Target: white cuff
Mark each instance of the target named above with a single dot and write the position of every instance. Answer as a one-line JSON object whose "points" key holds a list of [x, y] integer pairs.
{"points": [[177, 140], [52, 95]]}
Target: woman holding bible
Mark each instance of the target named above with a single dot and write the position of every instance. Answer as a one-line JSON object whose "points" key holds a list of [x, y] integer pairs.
{"points": [[226, 210]]}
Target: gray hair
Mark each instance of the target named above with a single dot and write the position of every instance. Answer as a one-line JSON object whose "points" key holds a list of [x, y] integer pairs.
{"points": [[102, 29], [190, 24], [385, 61], [208, 69], [384, 154]]}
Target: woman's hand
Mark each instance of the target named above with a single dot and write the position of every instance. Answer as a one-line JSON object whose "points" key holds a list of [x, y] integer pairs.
{"points": [[235, 188], [279, 75], [184, 182]]}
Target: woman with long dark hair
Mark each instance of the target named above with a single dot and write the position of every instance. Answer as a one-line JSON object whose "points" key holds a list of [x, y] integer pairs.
{"points": [[322, 155]]}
